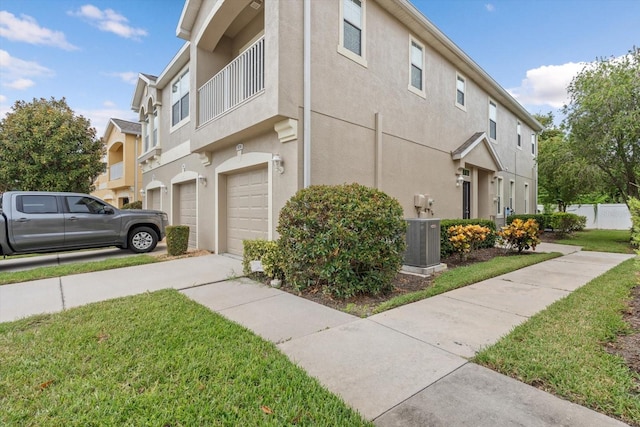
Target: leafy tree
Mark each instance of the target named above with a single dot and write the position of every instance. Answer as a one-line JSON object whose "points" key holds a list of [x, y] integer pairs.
{"points": [[45, 146], [562, 175], [603, 119]]}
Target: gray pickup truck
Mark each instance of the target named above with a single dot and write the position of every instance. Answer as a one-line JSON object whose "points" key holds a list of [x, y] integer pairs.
{"points": [[39, 222]]}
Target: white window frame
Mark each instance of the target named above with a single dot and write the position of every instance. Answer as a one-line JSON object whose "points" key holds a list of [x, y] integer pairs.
{"points": [[494, 119], [499, 198], [155, 135], [519, 136], [512, 195], [418, 91], [533, 144], [184, 73], [461, 78], [526, 198], [360, 59]]}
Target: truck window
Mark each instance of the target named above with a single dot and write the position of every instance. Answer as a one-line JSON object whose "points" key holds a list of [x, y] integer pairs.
{"points": [[36, 204], [80, 204]]}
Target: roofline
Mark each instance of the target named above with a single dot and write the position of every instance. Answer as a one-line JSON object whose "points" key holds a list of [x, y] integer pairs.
{"points": [[179, 60], [409, 15], [187, 19]]}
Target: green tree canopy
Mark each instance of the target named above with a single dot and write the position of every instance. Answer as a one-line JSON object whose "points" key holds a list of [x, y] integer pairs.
{"points": [[603, 119], [45, 146]]}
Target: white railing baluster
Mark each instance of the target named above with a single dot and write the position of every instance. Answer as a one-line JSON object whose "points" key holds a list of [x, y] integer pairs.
{"points": [[236, 83]]}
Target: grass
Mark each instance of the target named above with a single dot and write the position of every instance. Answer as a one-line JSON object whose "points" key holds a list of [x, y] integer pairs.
{"points": [[153, 359], [76, 268], [617, 241], [561, 348], [464, 276]]}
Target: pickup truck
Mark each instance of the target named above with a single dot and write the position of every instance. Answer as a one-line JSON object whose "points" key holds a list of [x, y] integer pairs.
{"points": [[39, 222]]}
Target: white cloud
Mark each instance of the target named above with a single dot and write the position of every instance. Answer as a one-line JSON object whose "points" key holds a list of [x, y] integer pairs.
{"points": [[490, 7], [26, 29], [109, 20], [129, 77], [15, 71], [109, 104], [547, 85]]}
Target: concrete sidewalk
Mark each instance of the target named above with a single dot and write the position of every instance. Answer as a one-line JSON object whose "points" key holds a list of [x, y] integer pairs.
{"points": [[404, 367]]}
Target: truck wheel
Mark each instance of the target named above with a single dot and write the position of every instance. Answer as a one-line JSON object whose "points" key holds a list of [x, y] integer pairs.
{"points": [[142, 239]]}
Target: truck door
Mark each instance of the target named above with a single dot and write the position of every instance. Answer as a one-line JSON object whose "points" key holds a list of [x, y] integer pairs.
{"points": [[89, 222], [37, 223]]}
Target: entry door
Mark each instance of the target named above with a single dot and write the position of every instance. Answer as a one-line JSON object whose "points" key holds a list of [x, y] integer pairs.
{"points": [[466, 200]]}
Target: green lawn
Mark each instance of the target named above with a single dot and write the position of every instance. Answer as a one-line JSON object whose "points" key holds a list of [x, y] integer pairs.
{"points": [[561, 349], [601, 240], [156, 359], [76, 268], [468, 275]]}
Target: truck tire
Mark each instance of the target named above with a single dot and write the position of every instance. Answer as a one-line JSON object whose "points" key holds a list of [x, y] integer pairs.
{"points": [[142, 239]]}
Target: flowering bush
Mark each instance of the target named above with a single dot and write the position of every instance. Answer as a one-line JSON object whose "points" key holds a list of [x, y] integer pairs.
{"points": [[467, 238], [519, 235]]}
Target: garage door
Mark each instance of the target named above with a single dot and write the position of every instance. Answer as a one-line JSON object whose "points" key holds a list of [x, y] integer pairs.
{"points": [[154, 199], [247, 208], [187, 214]]}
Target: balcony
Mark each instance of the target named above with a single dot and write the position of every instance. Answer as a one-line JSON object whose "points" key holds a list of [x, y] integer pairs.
{"points": [[116, 171], [235, 84]]}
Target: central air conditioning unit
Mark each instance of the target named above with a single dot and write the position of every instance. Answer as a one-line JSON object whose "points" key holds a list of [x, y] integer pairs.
{"points": [[423, 242]]}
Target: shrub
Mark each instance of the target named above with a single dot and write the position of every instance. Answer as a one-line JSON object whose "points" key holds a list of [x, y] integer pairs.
{"points": [[519, 235], [133, 205], [543, 220], [446, 248], [634, 208], [177, 239], [565, 223], [347, 239], [265, 251], [467, 238]]}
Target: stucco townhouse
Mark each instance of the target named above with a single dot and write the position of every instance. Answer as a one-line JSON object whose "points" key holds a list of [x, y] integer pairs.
{"points": [[267, 97]]}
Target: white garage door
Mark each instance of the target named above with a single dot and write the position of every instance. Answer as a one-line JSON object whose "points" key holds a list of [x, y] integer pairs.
{"points": [[247, 208], [187, 214], [154, 199]]}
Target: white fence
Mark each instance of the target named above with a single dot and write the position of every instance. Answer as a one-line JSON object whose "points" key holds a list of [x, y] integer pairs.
{"points": [[603, 216]]}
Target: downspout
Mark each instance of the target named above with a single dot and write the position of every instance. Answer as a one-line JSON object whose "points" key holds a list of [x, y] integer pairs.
{"points": [[306, 133], [135, 170]]}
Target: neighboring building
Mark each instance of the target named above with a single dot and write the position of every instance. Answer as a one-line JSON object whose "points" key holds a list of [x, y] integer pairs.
{"points": [[260, 102], [122, 180]]}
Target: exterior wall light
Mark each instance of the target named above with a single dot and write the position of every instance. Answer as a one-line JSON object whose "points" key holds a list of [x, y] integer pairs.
{"points": [[142, 192], [164, 188], [278, 163], [203, 180], [459, 180]]}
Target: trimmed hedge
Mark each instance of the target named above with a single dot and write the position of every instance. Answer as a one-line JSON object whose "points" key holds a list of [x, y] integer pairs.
{"points": [[265, 251], [446, 248], [346, 239], [133, 205], [177, 239], [565, 223], [543, 220], [634, 207]]}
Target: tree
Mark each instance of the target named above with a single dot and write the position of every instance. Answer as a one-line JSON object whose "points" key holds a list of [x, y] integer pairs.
{"points": [[603, 119], [562, 175], [45, 146]]}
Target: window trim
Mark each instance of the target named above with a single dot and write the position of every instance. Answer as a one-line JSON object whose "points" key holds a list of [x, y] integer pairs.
{"points": [[420, 92], [493, 138], [499, 197], [519, 135], [177, 80], [533, 144], [526, 198], [360, 59], [463, 106]]}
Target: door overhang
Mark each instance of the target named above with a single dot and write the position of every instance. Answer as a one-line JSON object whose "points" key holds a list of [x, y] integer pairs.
{"points": [[478, 151]]}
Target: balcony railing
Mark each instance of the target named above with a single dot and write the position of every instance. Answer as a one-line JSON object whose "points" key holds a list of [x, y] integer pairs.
{"points": [[236, 83], [116, 171]]}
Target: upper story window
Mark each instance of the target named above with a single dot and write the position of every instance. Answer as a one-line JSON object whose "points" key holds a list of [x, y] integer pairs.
{"points": [[352, 30], [416, 67], [493, 113], [460, 91], [154, 124], [519, 136], [180, 99], [533, 144]]}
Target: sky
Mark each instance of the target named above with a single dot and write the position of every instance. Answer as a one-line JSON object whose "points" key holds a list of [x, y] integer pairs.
{"points": [[91, 51]]}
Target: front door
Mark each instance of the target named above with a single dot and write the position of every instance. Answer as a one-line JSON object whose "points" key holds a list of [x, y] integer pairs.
{"points": [[466, 200]]}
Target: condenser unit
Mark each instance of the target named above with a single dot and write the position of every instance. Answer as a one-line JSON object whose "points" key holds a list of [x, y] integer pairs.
{"points": [[423, 242]]}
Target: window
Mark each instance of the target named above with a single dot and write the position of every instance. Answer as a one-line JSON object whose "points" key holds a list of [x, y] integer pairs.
{"points": [[499, 189], [154, 125], [518, 131], [352, 30], [460, 91], [37, 204], [145, 132], [533, 144], [493, 112], [416, 67], [82, 204], [526, 198], [512, 195], [180, 99]]}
